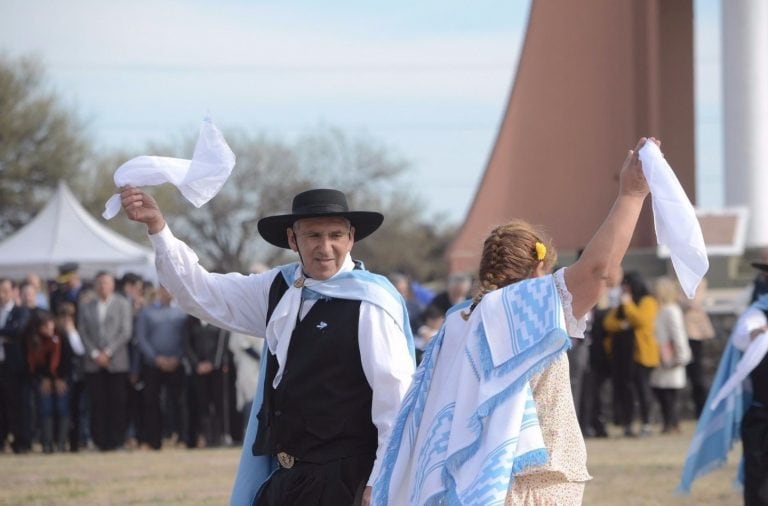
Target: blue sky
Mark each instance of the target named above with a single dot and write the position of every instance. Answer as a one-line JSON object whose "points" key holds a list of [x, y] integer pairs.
{"points": [[429, 79]]}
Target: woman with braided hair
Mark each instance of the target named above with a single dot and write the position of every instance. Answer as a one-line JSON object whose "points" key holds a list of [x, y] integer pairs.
{"points": [[489, 417]]}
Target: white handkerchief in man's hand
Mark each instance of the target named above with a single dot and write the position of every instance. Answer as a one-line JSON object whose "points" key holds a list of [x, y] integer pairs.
{"points": [[198, 179], [675, 220]]}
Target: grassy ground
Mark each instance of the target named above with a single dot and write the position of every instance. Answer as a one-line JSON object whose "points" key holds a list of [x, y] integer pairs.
{"points": [[626, 472]]}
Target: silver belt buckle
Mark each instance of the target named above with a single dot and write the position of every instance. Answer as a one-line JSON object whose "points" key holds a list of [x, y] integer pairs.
{"points": [[286, 461]]}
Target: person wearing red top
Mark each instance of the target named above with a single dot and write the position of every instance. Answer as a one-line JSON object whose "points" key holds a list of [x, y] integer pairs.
{"points": [[44, 359]]}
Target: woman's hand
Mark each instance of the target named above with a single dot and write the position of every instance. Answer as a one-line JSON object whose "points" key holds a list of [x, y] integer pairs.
{"points": [[45, 386], [631, 178], [61, 386]]}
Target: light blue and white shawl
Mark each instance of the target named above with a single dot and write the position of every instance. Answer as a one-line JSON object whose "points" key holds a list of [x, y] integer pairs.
{"points": [[468, 424], [362, 285], [719, 425]]}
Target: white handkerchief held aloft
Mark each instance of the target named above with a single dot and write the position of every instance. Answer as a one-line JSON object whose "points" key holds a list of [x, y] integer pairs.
{"points": [[198, 179], [675, 220]]}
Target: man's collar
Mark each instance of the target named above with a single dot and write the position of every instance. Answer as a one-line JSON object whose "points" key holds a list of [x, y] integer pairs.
{"points": [[9, 306]]}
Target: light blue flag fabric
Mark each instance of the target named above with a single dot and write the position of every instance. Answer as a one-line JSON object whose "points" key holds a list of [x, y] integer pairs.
{"points": [[718, 429], [254, 470]]}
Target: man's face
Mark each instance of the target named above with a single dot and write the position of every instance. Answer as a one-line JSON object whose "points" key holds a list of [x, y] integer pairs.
{"points": [[164, 296], [6, 292], [29, 296], [134, 290], [105, 286], [322, 244]]}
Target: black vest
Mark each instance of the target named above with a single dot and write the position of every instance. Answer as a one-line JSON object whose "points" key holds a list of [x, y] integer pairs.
{"points": [[759, 377], [321, 410]]}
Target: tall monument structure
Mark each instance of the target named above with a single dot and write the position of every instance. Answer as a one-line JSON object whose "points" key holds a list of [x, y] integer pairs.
{"points": [[593, 77], [745, 112]]}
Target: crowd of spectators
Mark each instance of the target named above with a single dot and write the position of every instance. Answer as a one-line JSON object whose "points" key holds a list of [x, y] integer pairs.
{"points": [[109, 364]]}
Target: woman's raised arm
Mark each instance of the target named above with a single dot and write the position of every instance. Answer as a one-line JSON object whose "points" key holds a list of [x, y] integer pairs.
{"points": [[586, 279]]}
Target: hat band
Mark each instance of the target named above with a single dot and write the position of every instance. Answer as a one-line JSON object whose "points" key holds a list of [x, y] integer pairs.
{"points": [[321, 208]]}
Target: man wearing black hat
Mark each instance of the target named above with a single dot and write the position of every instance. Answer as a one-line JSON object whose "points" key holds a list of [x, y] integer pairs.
{"points": [[340, 351]]}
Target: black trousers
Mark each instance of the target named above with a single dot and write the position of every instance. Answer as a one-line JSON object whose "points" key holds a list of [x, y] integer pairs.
{"points": [[337, 483], [695, 372], [108, 393], [754, 440], [667, 398], [15, 403], [622, 375], [642, 383], [76, 401], [169, 386], [592, 406], [209, 394]]}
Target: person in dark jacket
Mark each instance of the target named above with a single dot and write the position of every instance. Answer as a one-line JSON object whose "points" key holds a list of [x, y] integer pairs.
{"points": [[47, 359], [206, 346], [160, 335], [14, 375]]}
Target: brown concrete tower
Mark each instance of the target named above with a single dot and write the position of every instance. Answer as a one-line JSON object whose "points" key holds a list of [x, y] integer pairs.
{"points": [[593, 77]]}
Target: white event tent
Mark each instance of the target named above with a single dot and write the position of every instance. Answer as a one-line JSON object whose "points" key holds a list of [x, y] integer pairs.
{"points": [[63, 231]]}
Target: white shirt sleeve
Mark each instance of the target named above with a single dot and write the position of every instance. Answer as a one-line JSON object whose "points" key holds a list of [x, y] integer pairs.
{"points": [[231, 301], [749, 320], [388, 367]]}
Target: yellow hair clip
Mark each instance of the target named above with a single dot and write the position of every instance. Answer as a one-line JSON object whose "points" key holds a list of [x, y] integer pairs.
{"points": [[541, 251]]}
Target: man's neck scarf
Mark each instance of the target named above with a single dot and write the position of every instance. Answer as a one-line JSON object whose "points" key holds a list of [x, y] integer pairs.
{"points": [[346, 284]]}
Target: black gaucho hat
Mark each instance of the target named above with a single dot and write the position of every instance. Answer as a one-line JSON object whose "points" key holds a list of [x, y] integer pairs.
{"points": [[318, 204], [760, 266]]}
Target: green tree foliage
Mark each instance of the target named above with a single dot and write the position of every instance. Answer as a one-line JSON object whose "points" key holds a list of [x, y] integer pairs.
{"points": [[41, 141]]}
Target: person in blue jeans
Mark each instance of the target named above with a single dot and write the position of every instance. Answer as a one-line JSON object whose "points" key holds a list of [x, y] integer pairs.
{"points": [[47, 367]]}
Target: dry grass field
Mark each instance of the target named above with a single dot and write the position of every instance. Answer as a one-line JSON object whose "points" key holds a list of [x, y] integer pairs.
{"points": [[627, 472]]}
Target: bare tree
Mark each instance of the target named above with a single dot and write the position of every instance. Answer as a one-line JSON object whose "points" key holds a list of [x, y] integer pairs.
{"points": [[41, 141]]}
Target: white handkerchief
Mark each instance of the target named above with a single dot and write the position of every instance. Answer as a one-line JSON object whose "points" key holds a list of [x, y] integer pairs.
{"points": [[198, 179], [675, 220]]}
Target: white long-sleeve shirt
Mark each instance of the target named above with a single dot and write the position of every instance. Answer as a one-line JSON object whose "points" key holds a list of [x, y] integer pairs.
{"points": [[239, 303]]}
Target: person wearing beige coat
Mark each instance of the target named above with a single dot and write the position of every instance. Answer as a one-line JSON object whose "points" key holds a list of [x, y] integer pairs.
{"points": [[669, 377]]}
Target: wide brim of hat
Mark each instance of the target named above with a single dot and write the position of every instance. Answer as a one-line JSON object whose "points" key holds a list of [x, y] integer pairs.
{"points": [[760, 266], [273, 228]]}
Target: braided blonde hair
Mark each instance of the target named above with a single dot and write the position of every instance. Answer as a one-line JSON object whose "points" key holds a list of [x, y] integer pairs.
{"points": [[509, 256]]}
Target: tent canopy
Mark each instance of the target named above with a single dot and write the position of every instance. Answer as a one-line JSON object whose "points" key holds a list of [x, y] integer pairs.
{"points": [[64, 232]]}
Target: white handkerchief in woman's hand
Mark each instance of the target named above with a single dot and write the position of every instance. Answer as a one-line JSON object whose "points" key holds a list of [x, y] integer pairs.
{"points": [[675, 220], [198, 179]]}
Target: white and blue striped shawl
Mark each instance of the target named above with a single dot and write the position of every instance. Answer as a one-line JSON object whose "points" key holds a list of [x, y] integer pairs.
{"points": [[468, 424]]}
